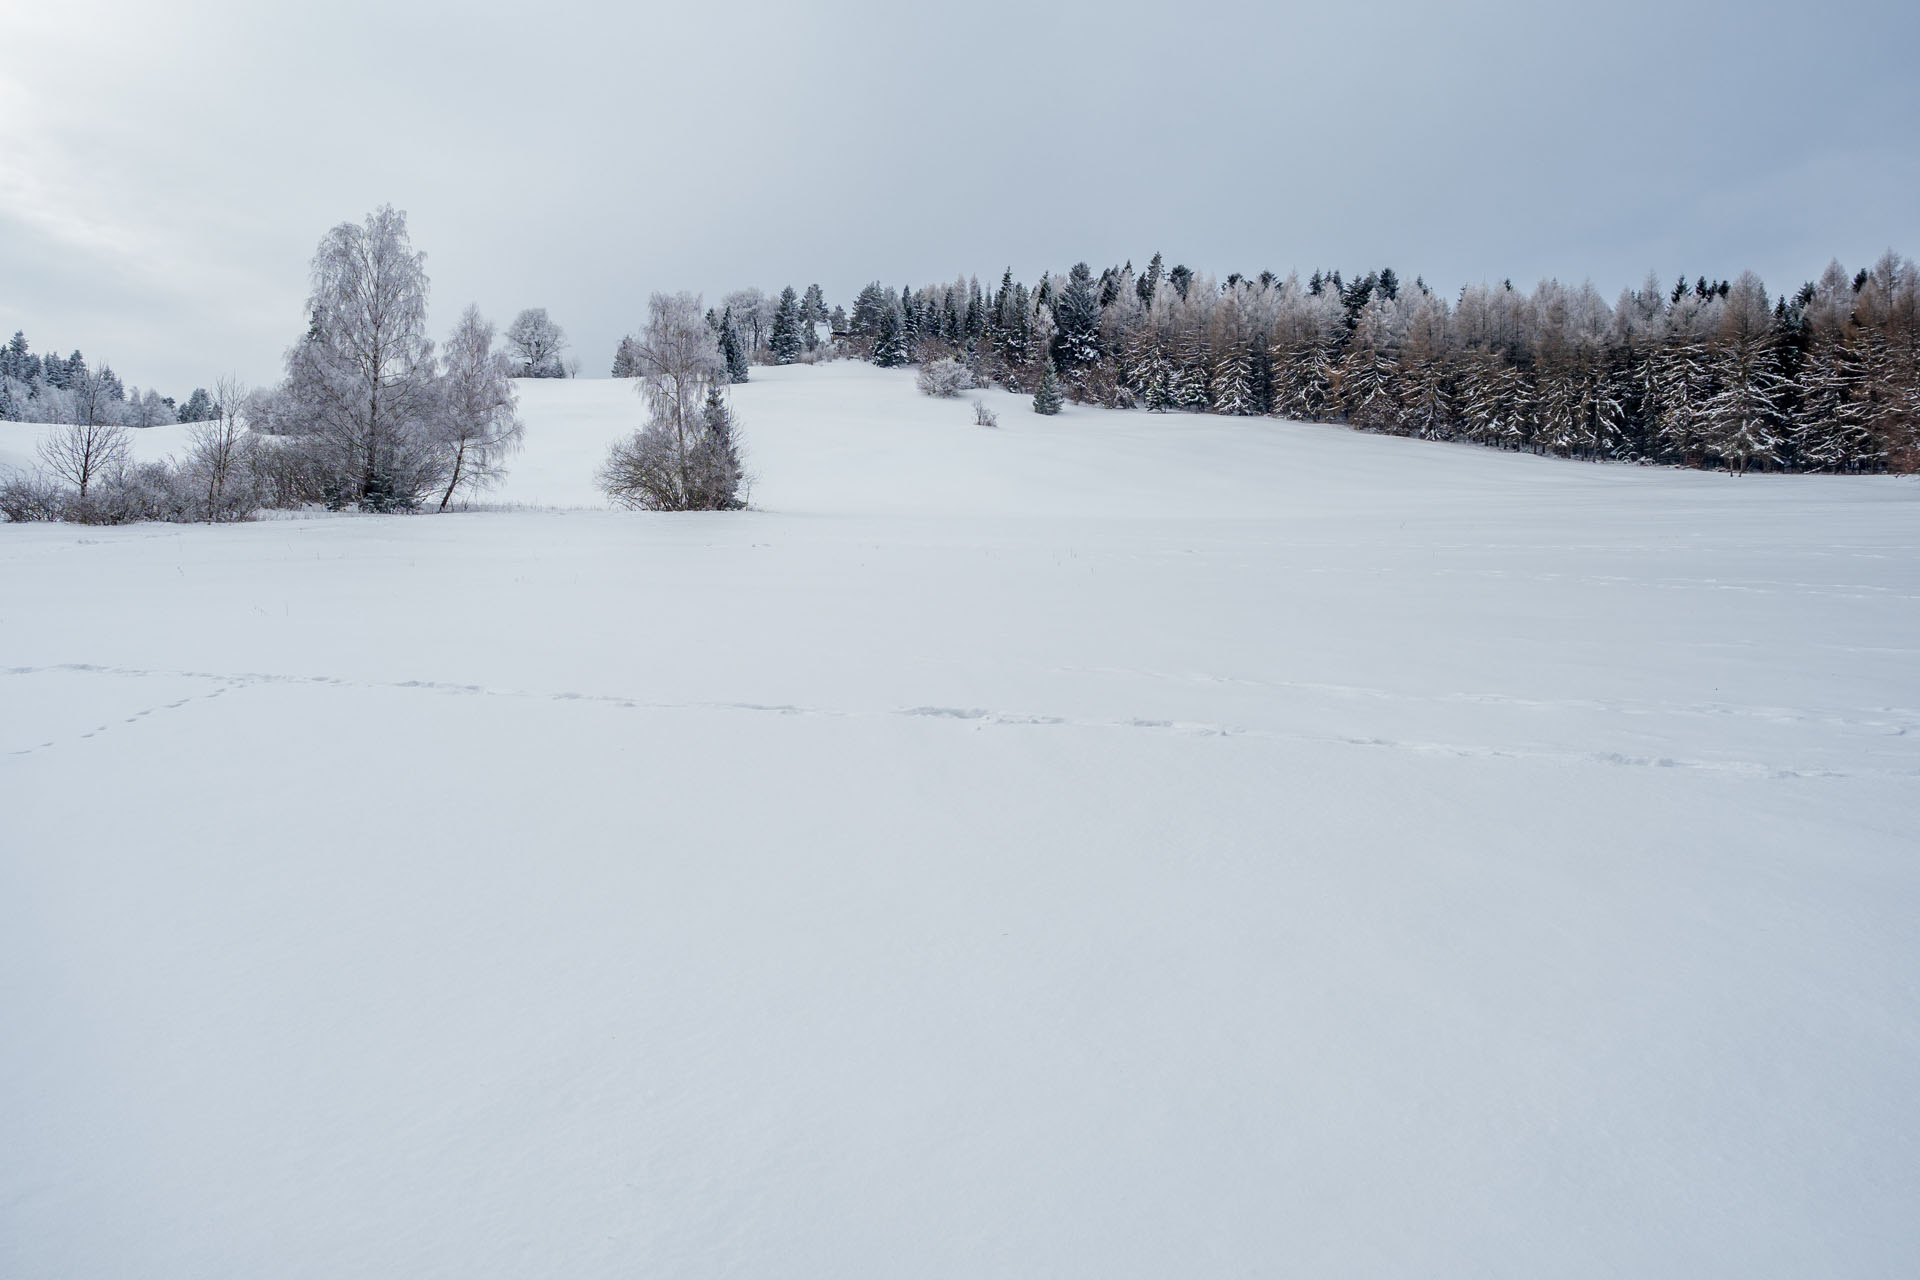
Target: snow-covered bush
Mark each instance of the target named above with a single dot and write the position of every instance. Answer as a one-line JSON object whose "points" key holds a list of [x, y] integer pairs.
{"points": [[945, 378], [26, 496], [655, 470], [141, 491], [134, 491], [983, 416]]}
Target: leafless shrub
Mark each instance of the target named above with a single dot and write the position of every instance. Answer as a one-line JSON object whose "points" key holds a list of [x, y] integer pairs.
{"points": [[25, 497], [945, 377]]}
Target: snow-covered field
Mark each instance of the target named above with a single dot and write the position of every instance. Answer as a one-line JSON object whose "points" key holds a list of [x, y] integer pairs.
{"points": [[1108, 846]]}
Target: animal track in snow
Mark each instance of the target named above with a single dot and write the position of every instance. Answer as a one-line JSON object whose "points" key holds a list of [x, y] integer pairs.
{"points": [[981, 717]]}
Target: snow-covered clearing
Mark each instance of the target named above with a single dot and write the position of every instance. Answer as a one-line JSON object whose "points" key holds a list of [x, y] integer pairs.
{"points": [[1107, 846]]}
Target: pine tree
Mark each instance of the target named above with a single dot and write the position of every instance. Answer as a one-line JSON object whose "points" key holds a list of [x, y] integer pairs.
{"points": [[1047, 399], [786, 342]]}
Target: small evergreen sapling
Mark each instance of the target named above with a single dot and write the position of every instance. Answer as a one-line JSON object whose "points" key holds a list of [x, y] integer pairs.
{"points": [[1047, 400]]}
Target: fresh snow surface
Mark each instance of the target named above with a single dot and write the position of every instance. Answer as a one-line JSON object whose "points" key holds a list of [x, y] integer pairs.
{"points": [[1106, 846]]}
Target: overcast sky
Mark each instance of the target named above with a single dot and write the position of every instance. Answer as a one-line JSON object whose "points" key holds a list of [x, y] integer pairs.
{"points": [[166, 169]]}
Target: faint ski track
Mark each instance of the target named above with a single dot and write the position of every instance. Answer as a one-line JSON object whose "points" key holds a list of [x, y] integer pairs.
{"points": [[1902, 721], [980, 716]]}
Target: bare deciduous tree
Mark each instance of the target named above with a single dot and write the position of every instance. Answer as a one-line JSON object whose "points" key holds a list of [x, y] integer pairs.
{"points": [[685, 457], [215, 457], [90, 446], [536, 343], [478, 427], [361, 380]]}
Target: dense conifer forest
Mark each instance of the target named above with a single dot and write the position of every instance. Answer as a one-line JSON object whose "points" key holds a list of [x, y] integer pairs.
{"points": [[1704, 373]]}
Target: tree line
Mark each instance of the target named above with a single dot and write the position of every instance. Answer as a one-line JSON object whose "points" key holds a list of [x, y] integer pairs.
{"points": [[56, 388], [1711, 373], [369, 414]]}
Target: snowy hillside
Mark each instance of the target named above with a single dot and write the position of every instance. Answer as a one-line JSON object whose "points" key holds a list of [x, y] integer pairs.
{"points": [[1115, 846]]}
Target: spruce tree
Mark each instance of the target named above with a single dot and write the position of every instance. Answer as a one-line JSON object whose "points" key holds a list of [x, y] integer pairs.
{"points": [[716, 471], [890, 343], [1147, 283], [624, 361], [1047, 400], [869, 308], [1077, 344], [786, 342], [732, 348]]}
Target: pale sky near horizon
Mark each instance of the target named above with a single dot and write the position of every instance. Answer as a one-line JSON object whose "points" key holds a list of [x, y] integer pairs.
{"points": [[166, 169]]}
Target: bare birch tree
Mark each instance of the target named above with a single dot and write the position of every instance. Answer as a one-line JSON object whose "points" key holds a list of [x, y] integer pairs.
{"points": [[93, 444], [215, 458], [478, 427], [362, 378], [679, 461]]}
